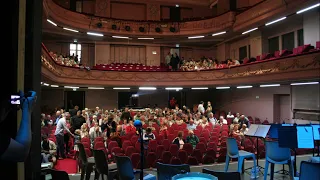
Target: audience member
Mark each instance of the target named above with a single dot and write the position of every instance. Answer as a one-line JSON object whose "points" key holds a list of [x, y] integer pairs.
{"points": [[48, 150], [179, 140], [192, 139]]}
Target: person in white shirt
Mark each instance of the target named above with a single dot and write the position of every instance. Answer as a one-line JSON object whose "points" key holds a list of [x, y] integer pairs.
{"points": [[222, 120], [212, 119], [230, 115], [201, 108], [237, 118], [191, 125]]}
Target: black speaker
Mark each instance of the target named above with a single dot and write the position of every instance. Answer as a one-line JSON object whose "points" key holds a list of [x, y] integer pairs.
{"points": [[141, 29], [158, 29], [127, 28], [172, 29], [175, 14], [99, 25], [114, 27]]}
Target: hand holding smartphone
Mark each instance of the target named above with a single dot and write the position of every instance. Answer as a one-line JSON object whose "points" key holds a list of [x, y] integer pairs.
{"points": [[15, 99]]}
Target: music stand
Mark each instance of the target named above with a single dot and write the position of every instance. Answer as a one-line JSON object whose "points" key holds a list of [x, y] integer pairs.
{"points": [[296, 137], [258, 131], [316, 135]]}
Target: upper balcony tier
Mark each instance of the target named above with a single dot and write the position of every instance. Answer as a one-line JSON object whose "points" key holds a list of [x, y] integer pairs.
{"points": [[256, 16], [305, 66]]}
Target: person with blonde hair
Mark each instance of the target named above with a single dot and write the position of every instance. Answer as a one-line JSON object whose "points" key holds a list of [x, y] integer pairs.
{"points": [[192, 138]]}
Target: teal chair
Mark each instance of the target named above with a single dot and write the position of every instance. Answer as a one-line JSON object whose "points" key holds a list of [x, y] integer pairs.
{"points": [[233, 152], [277, 155]]}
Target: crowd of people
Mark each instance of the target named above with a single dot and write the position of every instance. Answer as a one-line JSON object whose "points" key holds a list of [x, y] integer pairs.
{"points": [[66, 60], [175, 63], [114, 124]]}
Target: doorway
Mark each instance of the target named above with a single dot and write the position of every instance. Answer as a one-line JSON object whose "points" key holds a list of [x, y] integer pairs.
{"points": [[74, 98], [282, 108]]}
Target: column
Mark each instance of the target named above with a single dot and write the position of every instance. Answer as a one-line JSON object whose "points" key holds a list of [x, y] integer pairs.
{"points": [[311, 27], [32, 79]]}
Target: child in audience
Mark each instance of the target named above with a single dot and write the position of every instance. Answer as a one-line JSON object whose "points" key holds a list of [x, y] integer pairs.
{"points": [[77, 139]]}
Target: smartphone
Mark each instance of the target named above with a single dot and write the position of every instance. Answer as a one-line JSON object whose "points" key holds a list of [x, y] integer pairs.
{"points": [[15, 99]]}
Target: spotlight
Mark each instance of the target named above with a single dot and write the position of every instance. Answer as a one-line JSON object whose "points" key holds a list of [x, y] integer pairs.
{"points": [[127, 28], [172, 29], [141, 29], [99, 25], [114, 27], [158, 29]]}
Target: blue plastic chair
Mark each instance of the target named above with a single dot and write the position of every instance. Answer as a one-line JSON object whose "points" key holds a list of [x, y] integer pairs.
{"points": [[309, 170], [233, 152], [277, 155]]}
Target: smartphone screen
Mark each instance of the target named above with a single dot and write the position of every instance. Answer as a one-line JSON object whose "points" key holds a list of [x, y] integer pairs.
{"points": [[15, 99]]}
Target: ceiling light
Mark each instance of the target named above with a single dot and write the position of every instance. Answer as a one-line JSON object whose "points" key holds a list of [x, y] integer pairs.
{"points": [[120, 37], [54, 85], [95, 87], [71, 87], [94, 34], [147, 88], [243, 87], [308, 8], [146, 38], [49, 21], [68, 29], [41, 82], [269, 85], [305, 83], [223, 87], [195, 37], [199, 88], [45, 84], [250, 30], [174, 88], [219, 33], [177, 5], [135, 95], [272, 22], [121, 88]]}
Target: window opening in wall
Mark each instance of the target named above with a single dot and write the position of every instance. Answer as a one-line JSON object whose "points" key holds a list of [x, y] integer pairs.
{"points": [[273, 44], [300, 37], [242, 53], [288, 41], [75, 49]]}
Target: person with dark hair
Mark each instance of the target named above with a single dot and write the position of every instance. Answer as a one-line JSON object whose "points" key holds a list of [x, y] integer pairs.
{"points": [[48, 149], [16, 150], [148, 135], [179, 140]]}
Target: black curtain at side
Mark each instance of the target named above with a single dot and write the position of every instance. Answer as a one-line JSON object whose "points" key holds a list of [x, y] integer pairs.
{"points": [[32, 82], [8, 76]]}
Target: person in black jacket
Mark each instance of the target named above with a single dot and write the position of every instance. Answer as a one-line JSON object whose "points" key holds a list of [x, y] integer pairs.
{"points": [[179, 140], [74, 111], [126, 114], [77, 121]]}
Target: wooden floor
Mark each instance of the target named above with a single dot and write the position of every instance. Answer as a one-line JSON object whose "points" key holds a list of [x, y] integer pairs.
{"points": [[232, 167]]}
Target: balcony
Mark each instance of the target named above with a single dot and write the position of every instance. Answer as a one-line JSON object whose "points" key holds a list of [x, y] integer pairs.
{"points": [[299, 67]]}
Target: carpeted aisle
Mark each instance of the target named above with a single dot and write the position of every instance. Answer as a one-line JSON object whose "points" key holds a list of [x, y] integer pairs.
{"points": [[68, 165]]}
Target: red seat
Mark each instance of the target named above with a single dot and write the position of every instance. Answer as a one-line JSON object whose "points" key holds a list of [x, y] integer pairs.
{"points": [[151, 159], [125, 144], [111, 145], [201, 146], [166, 157], [188, 148], [192, 161], [130, 150], [135, 160], [183, 156], [160, 150], [166, 143], [174, 149], [152, 146], [175, 161], [208, 159], [198, 155]]}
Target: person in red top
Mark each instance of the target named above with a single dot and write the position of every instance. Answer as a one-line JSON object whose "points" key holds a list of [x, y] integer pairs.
{"points": [[130, 128], [173, 102]]}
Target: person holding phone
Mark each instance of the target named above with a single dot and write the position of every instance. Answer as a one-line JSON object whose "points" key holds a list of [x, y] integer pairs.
{"points": [[17, 149]]}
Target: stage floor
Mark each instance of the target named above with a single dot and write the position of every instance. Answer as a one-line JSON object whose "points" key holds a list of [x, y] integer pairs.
{"points": [[232, 167]]}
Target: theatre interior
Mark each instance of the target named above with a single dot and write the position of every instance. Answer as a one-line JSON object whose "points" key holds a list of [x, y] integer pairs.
{"points": [[161, 90]]}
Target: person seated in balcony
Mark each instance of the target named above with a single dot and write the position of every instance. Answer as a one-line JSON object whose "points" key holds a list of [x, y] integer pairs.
{"points": [[232, 62], [168, 59]]}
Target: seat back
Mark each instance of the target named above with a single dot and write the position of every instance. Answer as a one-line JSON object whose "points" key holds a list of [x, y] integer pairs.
{"points": [[82, 154], [232, 147], [309, 170], [124, 166], [101, 162], [223, 175], [276, 153], [59, 175], [167, 171]]}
